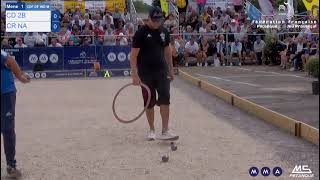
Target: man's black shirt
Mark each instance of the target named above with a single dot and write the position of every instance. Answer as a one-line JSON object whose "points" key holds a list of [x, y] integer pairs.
{"points": [[151, 55]]}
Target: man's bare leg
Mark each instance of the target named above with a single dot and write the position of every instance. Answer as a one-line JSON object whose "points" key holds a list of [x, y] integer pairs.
{"points": [[164, 112], [150, 117]]}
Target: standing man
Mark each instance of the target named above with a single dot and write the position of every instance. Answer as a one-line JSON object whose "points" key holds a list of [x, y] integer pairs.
{"points": [[151, 64], [8, 103]]}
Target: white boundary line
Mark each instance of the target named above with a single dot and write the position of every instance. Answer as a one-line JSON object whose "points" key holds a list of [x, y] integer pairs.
{"points": [[218, 78]]}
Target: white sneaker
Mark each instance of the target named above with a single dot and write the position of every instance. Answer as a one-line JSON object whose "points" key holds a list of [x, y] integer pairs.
{"points": [[168, 136], [151, 136], [186, 65], [205, 64]]}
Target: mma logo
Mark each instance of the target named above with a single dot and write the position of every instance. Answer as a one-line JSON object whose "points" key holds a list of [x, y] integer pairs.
{"points": [[112, 57], [122, 56], [83, 54], [33, 58], [43, 58], [54, 58], [301, 171]]}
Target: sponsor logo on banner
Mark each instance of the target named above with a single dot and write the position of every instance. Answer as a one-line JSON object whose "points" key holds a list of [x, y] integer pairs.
{"points": [[83, 54], [301, 171], [37, 75], [33, 58], [122, 56], [112, 57], [43, 75], [54, 58], [126, 73], [31, 75], [43, 58]]}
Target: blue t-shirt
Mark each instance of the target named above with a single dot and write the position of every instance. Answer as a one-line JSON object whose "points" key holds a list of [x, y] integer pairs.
{"points": [[7, 80]]}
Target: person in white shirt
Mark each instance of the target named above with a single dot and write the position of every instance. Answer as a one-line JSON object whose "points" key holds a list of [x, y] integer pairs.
{"points": [[43, 37], [54, 43], [221, 49], [236, 49], [258, 48], [170, 22], [109, 37], [123, 41], [20, 44], [191, 50], [30, 39]]}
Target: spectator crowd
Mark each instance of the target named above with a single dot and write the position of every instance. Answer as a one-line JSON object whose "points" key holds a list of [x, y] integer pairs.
{"points": [[204, 36]]}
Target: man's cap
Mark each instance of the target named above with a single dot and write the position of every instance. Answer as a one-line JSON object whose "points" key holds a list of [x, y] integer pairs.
{"points": [[156, 13]]}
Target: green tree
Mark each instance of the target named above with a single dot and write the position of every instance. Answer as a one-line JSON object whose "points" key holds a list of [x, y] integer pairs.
{"points": [[140, 6]]}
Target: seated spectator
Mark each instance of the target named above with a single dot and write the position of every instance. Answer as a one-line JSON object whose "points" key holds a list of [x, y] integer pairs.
{"points": [[130, 32], [120, 28], [75, 22], [122, 40], [203, 52], [30, 39], [55, 43], [221, 49], [65, 20], [20, 44], [77, 11], [177, 56], [236, 49], [117, 16], [64, 35], [296, 59], [191, 50], [108, 19], [75, 39], [44, 37], [69, 43], [5, 44], [39, 43], [97, 18], [247, 51], [188, 33], [109, 37], [258, 48], [75, 30], [87, 24], [86, 35], [202, 29], [170, 22], [98, 30], [86, 20]]}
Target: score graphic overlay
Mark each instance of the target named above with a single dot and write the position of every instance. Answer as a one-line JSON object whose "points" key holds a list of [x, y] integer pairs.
{"points": [[30, 17]]}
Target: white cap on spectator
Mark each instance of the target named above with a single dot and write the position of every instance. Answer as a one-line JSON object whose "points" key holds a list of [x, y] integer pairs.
{"points": [[233, 21], [121, 34]]}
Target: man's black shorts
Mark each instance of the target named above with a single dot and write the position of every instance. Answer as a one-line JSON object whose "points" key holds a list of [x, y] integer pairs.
{"points": [[158, 84]]}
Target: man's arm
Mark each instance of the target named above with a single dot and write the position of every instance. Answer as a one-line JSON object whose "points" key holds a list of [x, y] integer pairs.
{"points": [[14, 67], [133, 60], [168, 57]]}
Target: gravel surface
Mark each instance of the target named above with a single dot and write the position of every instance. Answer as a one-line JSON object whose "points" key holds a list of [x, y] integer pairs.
{"points": [[66, 131]]}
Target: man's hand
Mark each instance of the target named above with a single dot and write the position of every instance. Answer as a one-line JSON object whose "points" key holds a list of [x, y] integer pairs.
{"points": [[171, 75], [135, 79], [24, 78]]}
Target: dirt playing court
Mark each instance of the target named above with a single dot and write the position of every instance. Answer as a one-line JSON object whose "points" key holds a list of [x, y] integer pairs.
{"points": [[66, 131]]}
